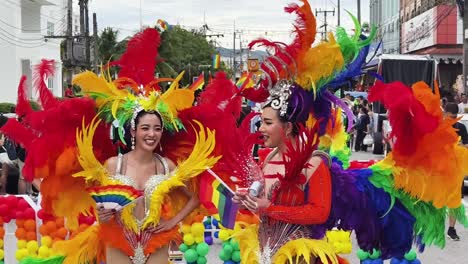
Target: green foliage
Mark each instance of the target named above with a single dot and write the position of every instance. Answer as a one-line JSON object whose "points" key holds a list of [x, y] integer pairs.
{"points": [[6, 107], [183, 50]]}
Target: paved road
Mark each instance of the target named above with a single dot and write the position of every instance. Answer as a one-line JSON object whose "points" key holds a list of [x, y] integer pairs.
{"points": [[455, 252]]}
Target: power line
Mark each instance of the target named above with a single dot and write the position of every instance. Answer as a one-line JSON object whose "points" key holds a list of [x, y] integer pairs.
{"points": [[31, 11], [30, 30]]}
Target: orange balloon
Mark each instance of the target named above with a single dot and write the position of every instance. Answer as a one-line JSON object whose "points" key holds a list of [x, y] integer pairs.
{"points": [[2, 232], [51, 226], [60, 222], [55, 240], [30, 225], [1, 221], [43, 230], [61, 233], [31, 236], [20, 233], [19, 222]]}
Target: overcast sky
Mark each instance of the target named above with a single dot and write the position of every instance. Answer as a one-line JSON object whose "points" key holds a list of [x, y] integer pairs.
{"points": [[255, 18]]}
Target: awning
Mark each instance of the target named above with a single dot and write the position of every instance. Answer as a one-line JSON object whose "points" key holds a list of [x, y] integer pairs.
{"points": [[448, 58]]}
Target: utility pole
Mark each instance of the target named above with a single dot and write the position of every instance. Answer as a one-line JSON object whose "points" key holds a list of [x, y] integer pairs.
{"points": [[69, 41], [87, 37], [359, 11], [234, 54], [95, 44], [325, 24], [465, 47], [339, 12]]}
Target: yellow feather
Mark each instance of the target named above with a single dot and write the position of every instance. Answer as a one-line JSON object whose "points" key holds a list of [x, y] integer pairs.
{"points": [[93, 170], [174, 84], [248, 243], [84, 248], [304, 248]]}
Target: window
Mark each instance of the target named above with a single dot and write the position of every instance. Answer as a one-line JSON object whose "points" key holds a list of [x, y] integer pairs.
{"points": [[50, 28], [50, 83]]}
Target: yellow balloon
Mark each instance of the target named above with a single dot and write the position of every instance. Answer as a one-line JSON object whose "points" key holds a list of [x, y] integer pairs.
{"points": [[46, 241], [1, 243], [199, 239], [21, 244], [21, 253], [43, 252], [32, 247], [198, 229], [223, 235], [185, 229], [189, 239], [2, 254]]}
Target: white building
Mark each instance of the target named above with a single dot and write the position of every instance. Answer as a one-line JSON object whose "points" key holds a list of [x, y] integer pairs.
{"points": [[23, 25]]}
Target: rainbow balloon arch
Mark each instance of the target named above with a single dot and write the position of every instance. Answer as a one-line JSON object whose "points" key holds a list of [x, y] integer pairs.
{"points": [[27, 230]]}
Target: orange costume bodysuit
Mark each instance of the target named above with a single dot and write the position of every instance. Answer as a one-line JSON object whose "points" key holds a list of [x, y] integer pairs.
{"points": [[295, 208], [139, 245]]}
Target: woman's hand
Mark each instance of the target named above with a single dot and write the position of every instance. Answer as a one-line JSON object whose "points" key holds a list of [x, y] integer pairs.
{"points": [[255, 204], [105, 215], [164, 225]]}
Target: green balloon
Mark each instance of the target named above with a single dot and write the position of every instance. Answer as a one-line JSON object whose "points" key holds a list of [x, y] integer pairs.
{"points": [[228, 248], [183, 247], [236, 256], [410, 255], [223, 256], [191, 255], [202, 260], [235, 245], [202, 249], [362, 255], [375, 254]]}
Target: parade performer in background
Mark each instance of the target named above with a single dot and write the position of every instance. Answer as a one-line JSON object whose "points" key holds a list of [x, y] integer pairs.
{"points": [[74, 166]]}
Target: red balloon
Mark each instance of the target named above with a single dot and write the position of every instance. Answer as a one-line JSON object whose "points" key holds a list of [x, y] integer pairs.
{"points": [[19, 215], [41, 214], [11, 201], [6, 219], [22, 204], [29, 214], [4, 210]]}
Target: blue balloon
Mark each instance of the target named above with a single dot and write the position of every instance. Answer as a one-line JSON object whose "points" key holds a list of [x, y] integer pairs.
{"points": [[367, 261], [404, 261], [209, 240], [377, 261], [208, 226], [215, 223], [416, 261], [229, 262], [216, 234], [395, 261]]}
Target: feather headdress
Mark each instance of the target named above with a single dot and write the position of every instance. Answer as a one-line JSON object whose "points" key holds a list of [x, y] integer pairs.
{"points": [[136, 90]]}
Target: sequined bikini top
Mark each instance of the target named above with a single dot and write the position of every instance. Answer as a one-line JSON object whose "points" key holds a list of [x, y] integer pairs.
{"points": [[151, 184]]}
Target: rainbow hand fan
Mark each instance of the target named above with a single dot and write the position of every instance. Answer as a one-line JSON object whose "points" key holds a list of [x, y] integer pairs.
{"points": [[114, 196]]}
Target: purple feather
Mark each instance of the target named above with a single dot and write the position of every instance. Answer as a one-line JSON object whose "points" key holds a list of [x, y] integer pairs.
{"points": [[337, 101]]}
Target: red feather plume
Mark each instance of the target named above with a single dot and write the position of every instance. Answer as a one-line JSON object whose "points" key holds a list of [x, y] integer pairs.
{"points": [[139, 60], [43, 71]]}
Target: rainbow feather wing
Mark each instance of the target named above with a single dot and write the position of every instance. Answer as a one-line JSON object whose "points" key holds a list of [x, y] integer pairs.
{"points": [[114, 196]]}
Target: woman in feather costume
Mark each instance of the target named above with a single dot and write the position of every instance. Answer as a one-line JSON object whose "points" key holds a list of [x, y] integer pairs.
{"points": [[75, 153], [307, 186]]}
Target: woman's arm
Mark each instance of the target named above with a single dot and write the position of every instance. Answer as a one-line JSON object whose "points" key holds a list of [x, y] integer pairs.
{"points": [[318, 204]]}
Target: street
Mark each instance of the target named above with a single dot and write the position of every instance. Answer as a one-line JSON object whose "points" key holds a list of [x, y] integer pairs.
{"points": [[455, 252]]}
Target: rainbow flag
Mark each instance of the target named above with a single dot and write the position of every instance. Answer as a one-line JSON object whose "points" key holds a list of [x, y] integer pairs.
{"points": [[198, 84], [216, 61], [217, 198], [245, 81]]}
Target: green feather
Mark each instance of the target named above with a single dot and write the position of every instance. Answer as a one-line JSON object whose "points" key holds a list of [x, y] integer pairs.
{"points": [[51, 260]]}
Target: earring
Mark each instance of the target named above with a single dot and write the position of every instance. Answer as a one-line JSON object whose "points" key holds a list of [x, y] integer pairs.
{"points": [[133, 142]]}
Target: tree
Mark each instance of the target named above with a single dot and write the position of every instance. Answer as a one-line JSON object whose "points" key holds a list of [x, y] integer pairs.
{"points": [[109, 48], [183, 50]]}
